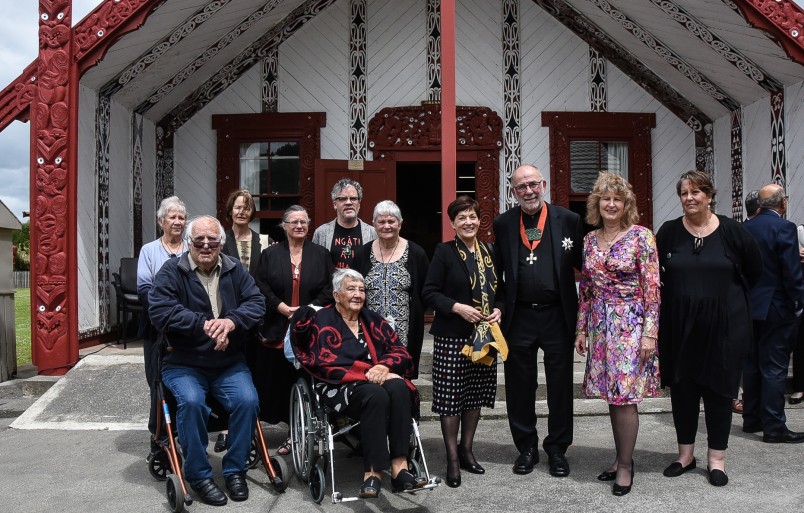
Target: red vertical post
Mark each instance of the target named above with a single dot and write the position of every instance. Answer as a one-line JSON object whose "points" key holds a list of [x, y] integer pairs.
{"points": [[54, 165], [448, 119]]}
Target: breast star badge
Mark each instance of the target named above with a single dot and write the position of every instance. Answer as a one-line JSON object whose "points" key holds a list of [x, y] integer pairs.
{"points": [[566, 244]]}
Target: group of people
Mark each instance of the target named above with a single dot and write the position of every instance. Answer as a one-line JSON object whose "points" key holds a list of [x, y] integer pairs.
{"points": [[354, 299]]}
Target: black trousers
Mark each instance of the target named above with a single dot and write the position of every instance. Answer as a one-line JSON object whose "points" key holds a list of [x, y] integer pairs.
{"points": [[685, 397], [150, 350], [530, 331], [385, 418], [765, 373], [798, 358]]}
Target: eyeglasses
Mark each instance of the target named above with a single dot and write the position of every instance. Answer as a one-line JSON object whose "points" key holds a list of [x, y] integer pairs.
{"points": [[523, 187], [299, 222], [211, 244], [344, 199]]}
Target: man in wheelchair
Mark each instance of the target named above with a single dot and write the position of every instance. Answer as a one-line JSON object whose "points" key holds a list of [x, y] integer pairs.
{"points": [[361, 370], [206, 303]]}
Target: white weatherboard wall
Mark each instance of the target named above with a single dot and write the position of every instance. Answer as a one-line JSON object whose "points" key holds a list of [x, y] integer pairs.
{"points": [[195, 144], [757, 144], [313, 75], [87, 211], [149, 204], [396, 55], [723, 181], [478, 54], [794, 117]]}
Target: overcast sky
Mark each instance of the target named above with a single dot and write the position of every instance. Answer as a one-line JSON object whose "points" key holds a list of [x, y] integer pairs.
{"points": [[18, 47]]}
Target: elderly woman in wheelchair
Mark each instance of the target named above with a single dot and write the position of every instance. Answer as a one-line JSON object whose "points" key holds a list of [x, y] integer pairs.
{"points": [[359, 369]]}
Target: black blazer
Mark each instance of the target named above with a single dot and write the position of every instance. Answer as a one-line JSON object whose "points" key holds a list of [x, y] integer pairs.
{"points": [[448, 283], [417, 267], [276, 284], [230, 248], [566, 236]]}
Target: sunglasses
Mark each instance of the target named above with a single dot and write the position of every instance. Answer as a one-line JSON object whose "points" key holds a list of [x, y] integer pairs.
{"points": [[211, 244]]}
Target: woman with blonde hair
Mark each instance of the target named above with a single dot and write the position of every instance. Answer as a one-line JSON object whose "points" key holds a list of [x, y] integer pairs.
{"points": [[618, 316]]}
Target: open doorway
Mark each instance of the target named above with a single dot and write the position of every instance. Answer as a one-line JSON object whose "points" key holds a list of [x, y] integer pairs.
{"points": [[418, 194]]}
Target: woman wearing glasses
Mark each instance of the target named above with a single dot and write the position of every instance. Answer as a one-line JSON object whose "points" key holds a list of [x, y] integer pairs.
{"points": [[291, 273], [618, 316], [708, 265]]}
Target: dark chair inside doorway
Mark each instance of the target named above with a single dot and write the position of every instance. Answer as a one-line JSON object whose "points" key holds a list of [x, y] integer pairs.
{"points": [[128, 304]]}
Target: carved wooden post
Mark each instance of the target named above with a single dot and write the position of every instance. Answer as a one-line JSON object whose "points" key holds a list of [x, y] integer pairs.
{"points": [[54, 137]]}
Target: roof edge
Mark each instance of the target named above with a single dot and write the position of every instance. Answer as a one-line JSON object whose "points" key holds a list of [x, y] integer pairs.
{"points": [[781, 20]]}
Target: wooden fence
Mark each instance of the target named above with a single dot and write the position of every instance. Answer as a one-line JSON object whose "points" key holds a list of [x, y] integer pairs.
{"points": [[22, 279]]}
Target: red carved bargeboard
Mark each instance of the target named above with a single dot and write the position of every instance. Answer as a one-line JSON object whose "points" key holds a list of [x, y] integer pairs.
{"points": [[781, 19], [418, 129], [54, 342]]}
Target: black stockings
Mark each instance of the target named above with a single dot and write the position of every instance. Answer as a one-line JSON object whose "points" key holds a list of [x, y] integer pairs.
{"points": [[467, 421], [625, 426]]}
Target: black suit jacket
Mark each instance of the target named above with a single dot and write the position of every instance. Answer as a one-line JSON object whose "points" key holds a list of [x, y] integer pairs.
{"points": [[448, 283], [565, 230], [230, 248], [276, 283], [781, 283]]}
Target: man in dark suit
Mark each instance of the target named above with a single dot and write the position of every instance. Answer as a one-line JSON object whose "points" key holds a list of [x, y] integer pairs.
{"points": [[776, 303], [538, 248]]}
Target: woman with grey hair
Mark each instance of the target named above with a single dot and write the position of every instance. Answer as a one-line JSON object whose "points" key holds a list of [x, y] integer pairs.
{"points": [[395, 269], [171, 217], [291, 273]]}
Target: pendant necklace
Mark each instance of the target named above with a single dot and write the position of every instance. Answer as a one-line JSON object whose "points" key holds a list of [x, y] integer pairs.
{"points": [[533, 237]]}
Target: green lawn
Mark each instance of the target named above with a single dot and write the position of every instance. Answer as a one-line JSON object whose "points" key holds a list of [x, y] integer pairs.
{"points": [[22, 312]]}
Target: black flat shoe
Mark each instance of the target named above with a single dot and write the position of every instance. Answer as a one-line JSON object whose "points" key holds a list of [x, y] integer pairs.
{"points": [[473, 468], [237, 487], [453, 479], [795, 398], [607, 476], [371, 488], [675, 469], [717, 477], [209, 492], [620, 490], [405, 481], [221, 443]]}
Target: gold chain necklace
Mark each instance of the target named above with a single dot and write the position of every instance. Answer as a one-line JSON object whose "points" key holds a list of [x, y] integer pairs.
{"points": [[697, 231], [611, 241]]}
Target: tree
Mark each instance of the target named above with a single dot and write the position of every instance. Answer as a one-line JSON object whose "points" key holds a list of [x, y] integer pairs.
{"points": [[22, 240]]}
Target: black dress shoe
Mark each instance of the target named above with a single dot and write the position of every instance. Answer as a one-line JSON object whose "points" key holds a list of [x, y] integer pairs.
{"points": [[221, 443], [559, 466], [785, 437], [795, 398], [209, 492], [237, 487], [405, 481], [474, 468], [675, 469], [371, 488], [717, 477], [526, 460], [453, 474], [620, 490]]}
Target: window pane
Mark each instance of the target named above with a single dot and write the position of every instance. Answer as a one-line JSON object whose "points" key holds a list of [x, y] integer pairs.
{"points": [[285, 168], [584, 165], [268, 169]]}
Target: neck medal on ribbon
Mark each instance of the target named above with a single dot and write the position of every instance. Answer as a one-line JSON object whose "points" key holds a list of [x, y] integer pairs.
{"points": [[532, 237]]}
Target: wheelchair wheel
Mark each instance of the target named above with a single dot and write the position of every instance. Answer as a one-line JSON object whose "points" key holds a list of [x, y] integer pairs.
{"points": [[282, 474], [175, 494], [414, 468], [302, 437], [317, 482]]}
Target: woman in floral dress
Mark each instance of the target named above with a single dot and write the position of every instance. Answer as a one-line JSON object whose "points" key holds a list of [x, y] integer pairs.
{"points": [[618, 316]]}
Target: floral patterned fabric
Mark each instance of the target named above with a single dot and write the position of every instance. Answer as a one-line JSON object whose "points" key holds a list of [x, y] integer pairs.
{"points": [[618, 304]]}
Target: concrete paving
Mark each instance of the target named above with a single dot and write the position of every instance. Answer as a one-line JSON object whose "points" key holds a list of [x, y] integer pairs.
{"points": [[81, 447]]}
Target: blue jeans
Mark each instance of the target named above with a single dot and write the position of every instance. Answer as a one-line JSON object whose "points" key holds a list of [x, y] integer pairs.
{"points": [[233, 388]]}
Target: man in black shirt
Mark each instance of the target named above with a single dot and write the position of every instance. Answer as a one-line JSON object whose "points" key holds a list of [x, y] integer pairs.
{"points": [[344, 234], [538, 249]]}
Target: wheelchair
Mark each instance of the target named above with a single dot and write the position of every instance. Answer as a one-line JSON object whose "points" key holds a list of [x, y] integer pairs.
{"points": [[314, 428], [166, 464]]}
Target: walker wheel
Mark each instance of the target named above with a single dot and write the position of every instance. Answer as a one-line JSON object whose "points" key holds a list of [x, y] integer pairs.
{"points": [[158, 465], [175, 494], [283, 474]]}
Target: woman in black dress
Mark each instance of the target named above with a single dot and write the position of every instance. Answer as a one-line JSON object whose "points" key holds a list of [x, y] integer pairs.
{"points": [[708, 264], [291, 273], [242, 242], [460, 286]]}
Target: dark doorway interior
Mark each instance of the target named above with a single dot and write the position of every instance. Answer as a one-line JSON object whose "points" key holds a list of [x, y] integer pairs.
{"points": [[418, 194]]}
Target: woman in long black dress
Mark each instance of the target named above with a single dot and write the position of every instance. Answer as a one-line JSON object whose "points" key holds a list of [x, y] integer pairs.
{"points": [[708, 264], [291, 273], [460, 286]]}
